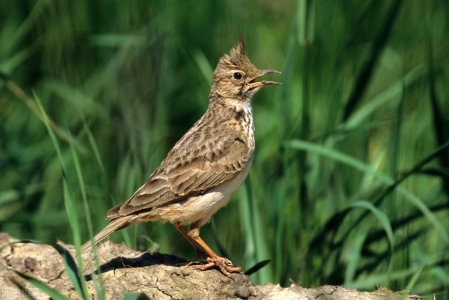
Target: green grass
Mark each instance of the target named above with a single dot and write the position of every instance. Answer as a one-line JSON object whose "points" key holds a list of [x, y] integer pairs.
{"points": [[350, 180]]}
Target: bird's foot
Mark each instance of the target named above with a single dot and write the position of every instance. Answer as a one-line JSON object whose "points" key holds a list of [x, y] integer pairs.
{"points": [[224, 264]]}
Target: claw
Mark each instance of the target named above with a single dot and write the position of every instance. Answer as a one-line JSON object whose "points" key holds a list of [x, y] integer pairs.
{"points": [[228, 262]]}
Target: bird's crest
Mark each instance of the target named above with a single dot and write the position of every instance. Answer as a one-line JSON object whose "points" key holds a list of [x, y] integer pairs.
{"points": [[238, 56]]}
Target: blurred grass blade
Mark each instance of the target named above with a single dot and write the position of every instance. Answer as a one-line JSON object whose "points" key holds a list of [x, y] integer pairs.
{"points": [[260, 229], [19, 58], [331, 226], [245, 220], [380, 279], [42, 286], [135, 296], [71, 208], [257, 267], [83, 195], [97, 283], [396, 225], [354, 256], [48, 124], [359, 117], [385, 224], [351, 33], [204, 65], [221, 249], [440, 123], [401, 245], [383, 219], [364, 77], [348, 160], [38, 111], [418, 166], [305, 39], [411, 284], [93, 143], [256, 248], [72, 211], [338, 156], [28, 24], [71, 269]]}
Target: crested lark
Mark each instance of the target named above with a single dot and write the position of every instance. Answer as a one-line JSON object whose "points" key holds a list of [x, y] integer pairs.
{"points": [[205, 166]]}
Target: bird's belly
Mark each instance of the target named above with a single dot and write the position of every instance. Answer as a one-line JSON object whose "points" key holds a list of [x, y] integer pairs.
{"points": [[200, 208], [196, 208]]}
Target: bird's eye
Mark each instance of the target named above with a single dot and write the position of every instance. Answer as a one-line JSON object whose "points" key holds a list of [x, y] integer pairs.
{"points": [[238, 75]]}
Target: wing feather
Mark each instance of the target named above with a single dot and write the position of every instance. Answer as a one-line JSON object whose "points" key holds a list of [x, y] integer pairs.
{"points": [[186, 173]]}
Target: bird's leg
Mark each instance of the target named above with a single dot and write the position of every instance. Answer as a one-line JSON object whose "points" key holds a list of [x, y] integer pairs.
{"points": [[213, 260], [199, 251]]}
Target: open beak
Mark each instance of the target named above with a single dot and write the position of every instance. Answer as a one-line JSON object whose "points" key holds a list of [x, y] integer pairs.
{"points": [[258, 84]]}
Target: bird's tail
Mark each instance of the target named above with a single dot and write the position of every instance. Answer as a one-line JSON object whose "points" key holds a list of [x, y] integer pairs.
{"points": [[115, 225]]}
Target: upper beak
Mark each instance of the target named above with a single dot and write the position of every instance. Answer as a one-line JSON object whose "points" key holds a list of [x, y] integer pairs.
{"points": [[256, 84]]}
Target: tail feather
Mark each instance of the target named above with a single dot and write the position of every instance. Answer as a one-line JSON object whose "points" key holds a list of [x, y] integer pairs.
{"points": [[115, 225]]}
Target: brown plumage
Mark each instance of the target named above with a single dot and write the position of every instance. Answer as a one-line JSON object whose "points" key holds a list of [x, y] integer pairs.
{"points": [[205, 166]]}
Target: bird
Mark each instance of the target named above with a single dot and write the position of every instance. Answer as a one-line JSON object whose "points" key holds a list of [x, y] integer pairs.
{"points": [[205, 166]]}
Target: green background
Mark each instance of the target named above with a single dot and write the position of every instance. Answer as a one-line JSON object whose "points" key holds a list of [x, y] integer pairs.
{"points": [[349, 185]]}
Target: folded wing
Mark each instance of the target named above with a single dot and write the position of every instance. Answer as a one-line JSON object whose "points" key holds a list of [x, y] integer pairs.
{"points": [[187, 173]]}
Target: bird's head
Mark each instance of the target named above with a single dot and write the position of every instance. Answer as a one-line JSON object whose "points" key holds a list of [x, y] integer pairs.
{"points": [[235, 76]]}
